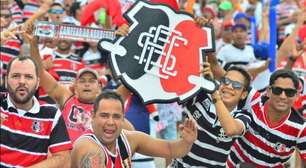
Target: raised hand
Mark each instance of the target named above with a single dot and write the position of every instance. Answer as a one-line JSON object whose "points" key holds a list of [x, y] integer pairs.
{"points": [[123, 30], [189, 132], [202, 21], [10, 33], [206, 71]]}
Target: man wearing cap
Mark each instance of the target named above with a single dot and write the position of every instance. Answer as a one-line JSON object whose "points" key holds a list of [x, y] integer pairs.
{"points": [[238, 53], [76, 103]]}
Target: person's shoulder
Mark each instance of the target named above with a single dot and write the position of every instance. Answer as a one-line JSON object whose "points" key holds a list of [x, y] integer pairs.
{"points": [[85, 143], [297, 117]]}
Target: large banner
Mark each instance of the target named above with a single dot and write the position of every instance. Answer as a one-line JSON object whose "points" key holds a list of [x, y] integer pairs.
{"points": [[160, 59]]}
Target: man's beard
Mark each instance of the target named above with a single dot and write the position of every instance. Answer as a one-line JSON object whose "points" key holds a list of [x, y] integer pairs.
{"points": [[15, 98]]}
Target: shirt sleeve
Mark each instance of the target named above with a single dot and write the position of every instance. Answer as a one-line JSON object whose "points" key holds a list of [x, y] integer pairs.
{"points": [[244, 117], [59, 138], [301, 142]]}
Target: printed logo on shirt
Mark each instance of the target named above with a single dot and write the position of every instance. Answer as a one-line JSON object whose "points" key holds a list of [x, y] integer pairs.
{"points": [[37, 126]]}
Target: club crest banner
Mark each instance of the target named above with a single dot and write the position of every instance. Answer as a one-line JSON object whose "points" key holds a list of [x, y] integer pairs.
{"points": [[160, 60]]}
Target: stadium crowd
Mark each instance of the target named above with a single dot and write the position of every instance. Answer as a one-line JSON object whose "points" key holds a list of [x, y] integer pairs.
{"points": [[62, 107]]}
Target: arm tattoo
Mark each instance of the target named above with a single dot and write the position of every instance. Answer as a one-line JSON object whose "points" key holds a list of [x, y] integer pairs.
{"points": [[92, 160]]}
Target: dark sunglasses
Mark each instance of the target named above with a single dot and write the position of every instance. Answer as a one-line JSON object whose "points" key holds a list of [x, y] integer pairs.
{"points": [[235, 84], [6, 16], [56, 11], [288, 91]]}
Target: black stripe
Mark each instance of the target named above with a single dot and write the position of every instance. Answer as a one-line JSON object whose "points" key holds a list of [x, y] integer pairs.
{"points": [[24, 142], [142, 160], [234, 158], [209, 154], [11, 51], [302, 146], [59, 133], [296, 117], [260, 156], [45, 112], [205, 138], [194, 162], [258, 130], [65, 73]]}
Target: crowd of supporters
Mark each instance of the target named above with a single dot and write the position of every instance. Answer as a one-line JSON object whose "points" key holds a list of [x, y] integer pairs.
{"points": [[69, 76]]}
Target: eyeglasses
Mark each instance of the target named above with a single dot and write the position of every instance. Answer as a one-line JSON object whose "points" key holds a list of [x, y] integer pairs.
{"points": [[236, 85], [288, 91], [56, 11]]}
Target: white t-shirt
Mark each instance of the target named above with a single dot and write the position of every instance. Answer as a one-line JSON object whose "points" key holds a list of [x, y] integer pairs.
{"points": [[230, 55]]}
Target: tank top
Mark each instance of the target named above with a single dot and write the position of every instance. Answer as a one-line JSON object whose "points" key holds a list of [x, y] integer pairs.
{"points": [[122, 157]]}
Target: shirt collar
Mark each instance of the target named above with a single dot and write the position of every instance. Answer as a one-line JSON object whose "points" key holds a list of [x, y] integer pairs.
{"points": [[34, 110]]}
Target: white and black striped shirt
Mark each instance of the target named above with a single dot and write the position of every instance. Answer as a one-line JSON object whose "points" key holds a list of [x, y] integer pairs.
{"points": [[212, 146]]}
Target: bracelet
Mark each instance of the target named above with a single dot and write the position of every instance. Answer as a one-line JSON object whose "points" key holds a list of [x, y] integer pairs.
{"points": [[292, 59]]}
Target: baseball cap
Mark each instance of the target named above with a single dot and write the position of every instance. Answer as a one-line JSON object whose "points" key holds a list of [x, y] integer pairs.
{"points": [[236, 26], [226, 5], [240, 15], [85, 70]]}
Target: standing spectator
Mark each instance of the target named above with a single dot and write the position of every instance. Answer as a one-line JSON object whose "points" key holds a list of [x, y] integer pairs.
{"points": [[276, 128], [108, 145], [29, 129], [237, 53], [56, 13], [76, 102], [286, 15], [65, 63], [219, 120], [9, 48]]}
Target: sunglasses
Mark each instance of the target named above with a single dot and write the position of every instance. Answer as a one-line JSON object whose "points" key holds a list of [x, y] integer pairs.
{"points": [[6, 16], [236, 85], [288, 91], [56, 11]]}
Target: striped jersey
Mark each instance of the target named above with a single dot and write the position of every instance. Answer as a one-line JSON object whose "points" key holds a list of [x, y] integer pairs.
{"points": [[265, 145], [122, 157], [212, 145], [9, 50], [66, 66], [26, 137], [17, 13], [77, 117], [30, 7]]}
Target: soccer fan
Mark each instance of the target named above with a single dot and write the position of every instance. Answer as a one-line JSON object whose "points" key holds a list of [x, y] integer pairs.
{"points": [[276, 128], [219, 120], [76, 104], [29, 129], [108, 145]]}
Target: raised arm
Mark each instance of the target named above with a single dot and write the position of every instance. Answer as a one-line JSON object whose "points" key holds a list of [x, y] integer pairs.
{"points": [[217, 70], [144, 144], [56, 91], [231, 126], [286, 47]]}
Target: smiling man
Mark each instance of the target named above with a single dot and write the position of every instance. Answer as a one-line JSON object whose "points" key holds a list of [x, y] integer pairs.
{"points": [[276, 130]]}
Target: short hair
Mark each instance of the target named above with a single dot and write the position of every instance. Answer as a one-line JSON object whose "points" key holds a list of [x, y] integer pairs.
{"points": [[244, 73], [74, 7], [284, 73], [22, 58], [57, 4], [106, 95]]}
